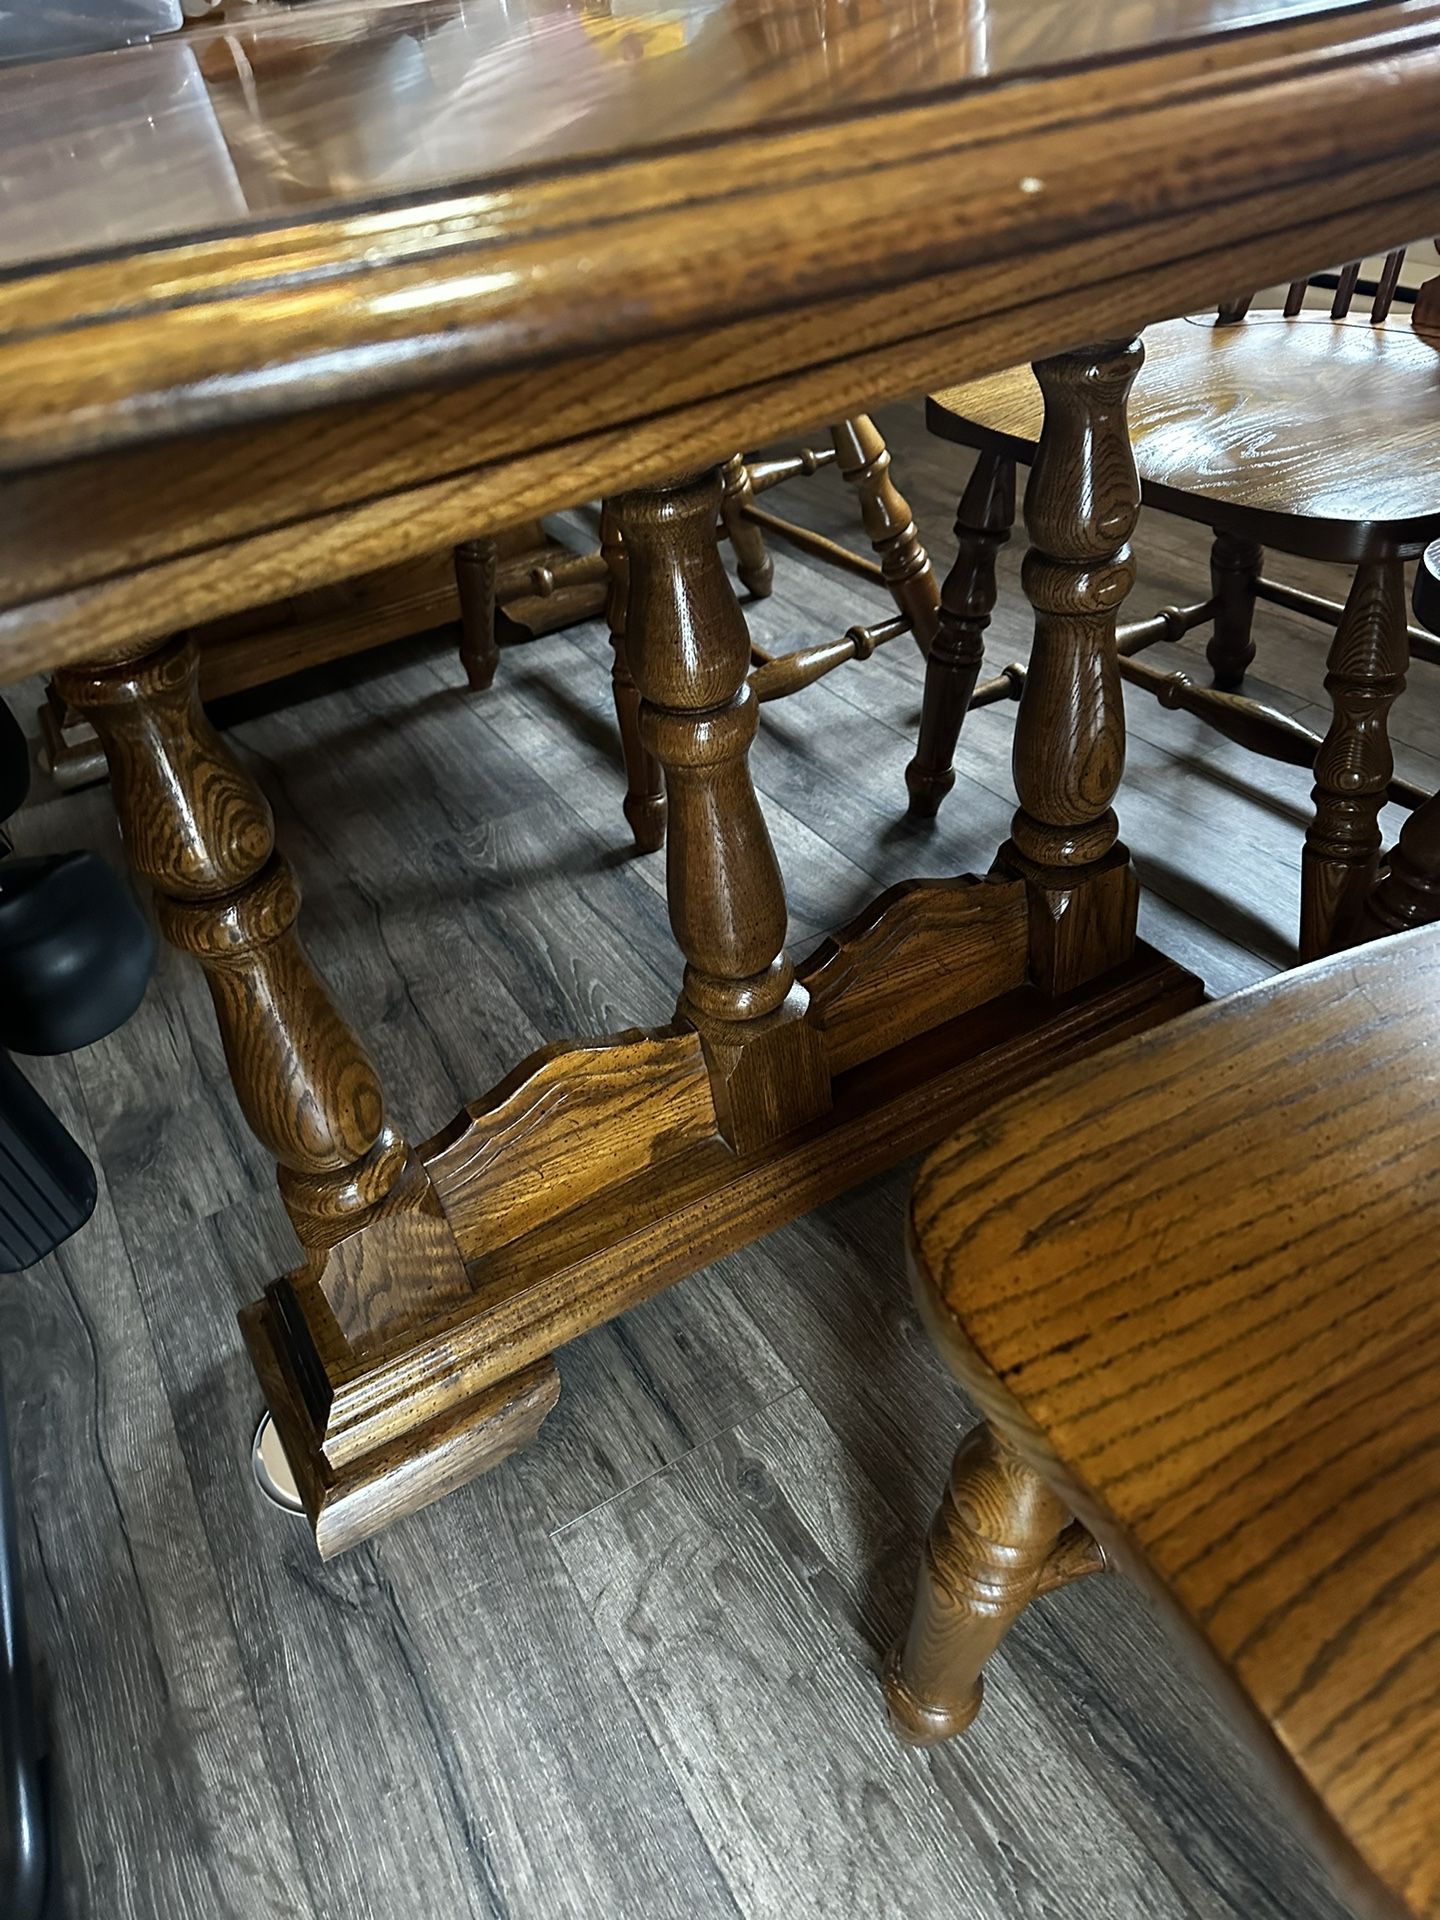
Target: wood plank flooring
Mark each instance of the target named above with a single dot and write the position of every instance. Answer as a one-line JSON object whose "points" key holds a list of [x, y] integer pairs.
{"points": [[632, 1673]]}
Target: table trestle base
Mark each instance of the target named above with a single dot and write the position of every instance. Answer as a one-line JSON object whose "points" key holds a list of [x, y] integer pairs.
{"points": [[596, 1175]]}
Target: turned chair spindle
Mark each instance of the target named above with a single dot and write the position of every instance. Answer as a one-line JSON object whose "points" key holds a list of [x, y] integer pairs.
{"points": [[858, 452]]}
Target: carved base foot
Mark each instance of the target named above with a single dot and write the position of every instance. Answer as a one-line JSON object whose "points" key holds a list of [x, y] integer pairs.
{"points": [[926, 1723], [595, 1174], [398, 1471]]}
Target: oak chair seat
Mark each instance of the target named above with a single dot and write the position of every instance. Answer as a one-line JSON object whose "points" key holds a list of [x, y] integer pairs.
{"points": [[1330, 426], [1313, 434], [1193, 1285]]}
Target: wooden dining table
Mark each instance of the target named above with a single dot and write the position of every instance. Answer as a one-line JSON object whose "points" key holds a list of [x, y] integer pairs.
{"points": [[332, 286]]}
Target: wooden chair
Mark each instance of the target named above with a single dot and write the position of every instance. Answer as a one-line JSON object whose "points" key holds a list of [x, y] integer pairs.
{"points": [[1316, 434], [858, 451], [1191, 1285]]}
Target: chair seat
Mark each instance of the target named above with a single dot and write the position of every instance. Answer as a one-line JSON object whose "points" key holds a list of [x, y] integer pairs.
{"points": [[1327, 430], [1196, 1281]]}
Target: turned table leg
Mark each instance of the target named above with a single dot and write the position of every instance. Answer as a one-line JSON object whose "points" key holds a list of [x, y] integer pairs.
{"points": [[864, 463], [200, 832], [476, 566], [644, 779], [1365, 675], [1081, 506], [1000, 1539], [752, 558], [689, 651], [982, 526], [1235, 566]]}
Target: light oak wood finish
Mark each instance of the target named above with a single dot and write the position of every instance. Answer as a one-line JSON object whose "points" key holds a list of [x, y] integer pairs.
{"points": [[863, 461], [1221, 1357], [98, 361], [589, 1642], [1322, 433], [753, 564], [378, 1246], [228, 400], [225, 896], [1000, 1539], [902, 566]]}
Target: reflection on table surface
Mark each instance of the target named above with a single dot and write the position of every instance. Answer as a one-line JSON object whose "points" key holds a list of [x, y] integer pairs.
{"points": [[294, 109]]}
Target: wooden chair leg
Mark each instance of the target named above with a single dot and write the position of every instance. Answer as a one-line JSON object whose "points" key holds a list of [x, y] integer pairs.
{"points": [[864, 462], [752, 559], [644, 776], [982, 526], [476, 566], [1366, 672], [1235, 566], [1000, 1539]]}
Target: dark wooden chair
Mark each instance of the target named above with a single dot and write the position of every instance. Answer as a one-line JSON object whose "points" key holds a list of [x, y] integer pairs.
{"points": [[1316, 434], [1191, 1286]]}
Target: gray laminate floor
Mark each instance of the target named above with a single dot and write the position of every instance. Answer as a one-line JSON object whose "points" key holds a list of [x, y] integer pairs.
{"points": [[632, 1673]]}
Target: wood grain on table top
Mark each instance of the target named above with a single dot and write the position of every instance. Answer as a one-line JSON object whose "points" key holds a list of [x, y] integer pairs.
{"points": [[340, 104], [1200, 1274], [342, 201]]}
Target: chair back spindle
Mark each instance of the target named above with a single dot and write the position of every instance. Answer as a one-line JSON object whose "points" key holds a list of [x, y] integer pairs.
{"points": [[1425, 300]]}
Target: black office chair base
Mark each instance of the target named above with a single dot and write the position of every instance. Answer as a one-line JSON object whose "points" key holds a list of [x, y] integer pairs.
{"points": [[24, 1814], [47, 1186]]}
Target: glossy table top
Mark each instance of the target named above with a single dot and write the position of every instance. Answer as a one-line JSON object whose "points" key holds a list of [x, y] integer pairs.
{"points": [[348, 104], [352, 282]]}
